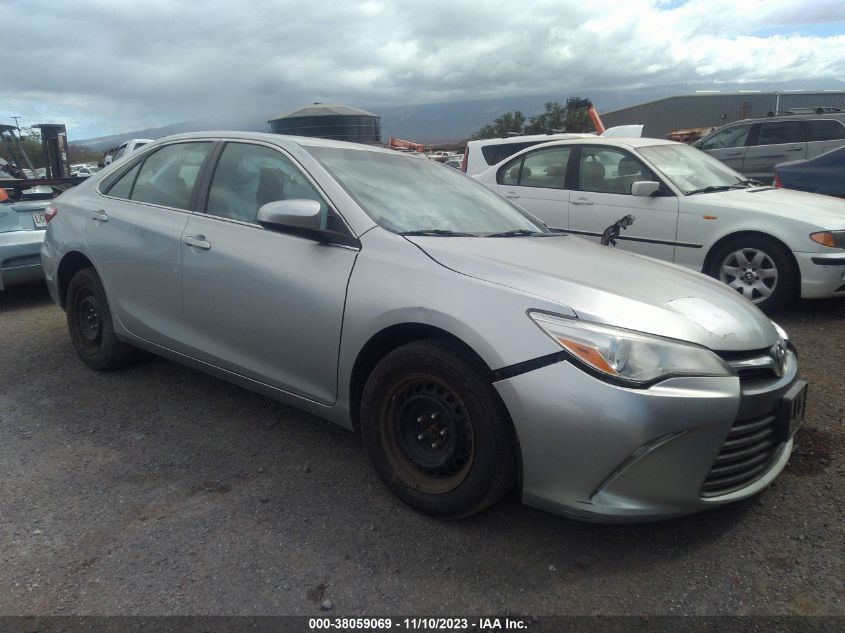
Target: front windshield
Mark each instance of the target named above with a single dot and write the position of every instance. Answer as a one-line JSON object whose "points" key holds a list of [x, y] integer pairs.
{"points": [[689, 169], [405, 195]]}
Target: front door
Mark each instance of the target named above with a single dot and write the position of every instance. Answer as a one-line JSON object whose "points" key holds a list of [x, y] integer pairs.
{"points": [[603, 178], [261, 303], [728, 145]]}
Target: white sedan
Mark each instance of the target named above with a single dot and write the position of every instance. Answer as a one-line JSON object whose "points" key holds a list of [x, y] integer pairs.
{"points": [[769, 244]]}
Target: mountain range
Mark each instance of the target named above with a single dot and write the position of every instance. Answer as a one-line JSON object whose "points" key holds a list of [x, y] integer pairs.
{"points": [[457, 120]]}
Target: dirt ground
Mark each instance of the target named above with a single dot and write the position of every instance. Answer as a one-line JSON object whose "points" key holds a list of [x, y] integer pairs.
{"points": [[161, 490]]}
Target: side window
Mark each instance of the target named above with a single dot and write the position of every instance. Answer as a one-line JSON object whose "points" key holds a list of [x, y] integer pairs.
{"points": [[122, 187], [609, 170], [823, 130], [544, 168], [736, 136], [120, 152], [167, 177], [509, 174], [249, 176], [775, 133]]}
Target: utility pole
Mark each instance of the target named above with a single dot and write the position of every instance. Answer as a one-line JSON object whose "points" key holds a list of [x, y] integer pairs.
{"points": [[16, 122]]}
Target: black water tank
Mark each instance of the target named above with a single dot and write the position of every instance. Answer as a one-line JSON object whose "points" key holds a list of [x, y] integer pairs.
{"points": [[339, 122]]}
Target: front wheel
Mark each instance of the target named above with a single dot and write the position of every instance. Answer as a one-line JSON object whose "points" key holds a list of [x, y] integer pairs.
{"points": [[436, 431], [90, 324], [759, 268]]}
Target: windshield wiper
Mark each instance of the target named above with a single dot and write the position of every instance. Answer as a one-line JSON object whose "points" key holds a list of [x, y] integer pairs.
{"points": [[437, 232], [712, 188], [521, 233]]}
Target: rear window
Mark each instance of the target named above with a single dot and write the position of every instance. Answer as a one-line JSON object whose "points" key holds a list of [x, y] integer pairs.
{"points": [[780, 132], [497, 152], [824, 130]]}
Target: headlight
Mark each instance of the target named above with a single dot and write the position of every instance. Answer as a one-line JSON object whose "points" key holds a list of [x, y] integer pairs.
{"points": [[627, 357], [834, 239]]}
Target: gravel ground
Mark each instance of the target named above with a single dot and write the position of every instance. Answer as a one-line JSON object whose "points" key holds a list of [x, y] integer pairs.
{"points": [[160, 490]]}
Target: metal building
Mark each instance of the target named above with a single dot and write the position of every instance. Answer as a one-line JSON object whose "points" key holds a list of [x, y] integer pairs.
{"points": [[339, 122], [712, 109]]}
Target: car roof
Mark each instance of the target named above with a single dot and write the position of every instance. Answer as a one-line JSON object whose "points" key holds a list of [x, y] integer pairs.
{"points": [[613, 141], [282, 140]]}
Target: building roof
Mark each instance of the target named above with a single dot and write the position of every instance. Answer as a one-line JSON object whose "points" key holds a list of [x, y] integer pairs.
{"points": [[320, 109], [717, 93]]}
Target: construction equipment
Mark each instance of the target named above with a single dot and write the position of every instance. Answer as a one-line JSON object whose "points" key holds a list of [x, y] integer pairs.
{"points": [[24, 176], [403, 145]]}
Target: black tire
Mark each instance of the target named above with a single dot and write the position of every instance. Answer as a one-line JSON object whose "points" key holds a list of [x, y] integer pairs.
{"points": [[90, 324], [775, 259], [436, 431]]}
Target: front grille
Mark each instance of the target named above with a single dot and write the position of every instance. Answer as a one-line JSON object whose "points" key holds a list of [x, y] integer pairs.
{"points": [[746, 455]]}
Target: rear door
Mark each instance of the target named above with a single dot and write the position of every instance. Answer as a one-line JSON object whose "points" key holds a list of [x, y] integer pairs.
{"points": [[258, 302], [728, 144], [773, 142], [134, 234], [536, 181], [603, 178]]}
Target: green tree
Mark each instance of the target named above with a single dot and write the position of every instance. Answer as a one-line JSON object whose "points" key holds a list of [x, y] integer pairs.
{"points": [[503, 126], [572, 117], [556, 117]]}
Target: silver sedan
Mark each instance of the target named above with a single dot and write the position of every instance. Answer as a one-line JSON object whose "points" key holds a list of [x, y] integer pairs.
{"points": [[474, 350]]}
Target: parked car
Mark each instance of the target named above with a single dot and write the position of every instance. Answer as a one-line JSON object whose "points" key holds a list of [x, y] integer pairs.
{"points": [[84, 171], [22, 226], [474, 349], [754, 146], [126, 148], [823, 174], [768, 244], [480, 154]]}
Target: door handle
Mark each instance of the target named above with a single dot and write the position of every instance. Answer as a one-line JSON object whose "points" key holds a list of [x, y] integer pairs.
{"points": [[582, 201], [733, 153], [794, 149], [100, 216], [196, 241], [511, 194]]}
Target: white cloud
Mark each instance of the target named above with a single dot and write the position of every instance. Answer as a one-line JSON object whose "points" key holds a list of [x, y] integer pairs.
{"points": [[113, 65]]}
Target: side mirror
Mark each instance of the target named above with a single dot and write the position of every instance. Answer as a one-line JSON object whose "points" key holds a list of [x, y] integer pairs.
{"points": [[290, 214], [645, 188]]}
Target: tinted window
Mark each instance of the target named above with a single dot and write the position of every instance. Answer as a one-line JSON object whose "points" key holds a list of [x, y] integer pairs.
{"points": [[607, 170], [779, 132], [167, 177], [123, 186], [498, 152], [824, 130], [249, 176], [544, 168], [120, 152], [736, 136]]}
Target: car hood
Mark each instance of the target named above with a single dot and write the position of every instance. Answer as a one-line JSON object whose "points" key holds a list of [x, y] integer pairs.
{"points": [[823, 211], [610, 286]]}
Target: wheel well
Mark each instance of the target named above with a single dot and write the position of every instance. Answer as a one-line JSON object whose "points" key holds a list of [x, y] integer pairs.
{"points": [[708, 261], [71, 264], [381, 344]]}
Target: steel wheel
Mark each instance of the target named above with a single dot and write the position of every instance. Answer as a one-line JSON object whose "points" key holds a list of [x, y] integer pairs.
{"points": [[751, 272], [436, 431], [428, 433]]}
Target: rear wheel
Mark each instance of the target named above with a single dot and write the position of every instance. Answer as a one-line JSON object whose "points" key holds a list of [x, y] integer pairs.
{"points": [[758, 268], [90, 324], [436, 432]]}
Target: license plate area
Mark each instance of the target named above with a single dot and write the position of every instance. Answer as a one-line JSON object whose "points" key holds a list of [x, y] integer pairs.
{"points": [[790, 416], [39, 219]]}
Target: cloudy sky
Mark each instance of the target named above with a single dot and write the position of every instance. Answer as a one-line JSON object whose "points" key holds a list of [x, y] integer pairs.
{"points": [[107, 66]]}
